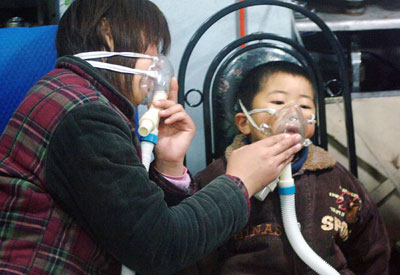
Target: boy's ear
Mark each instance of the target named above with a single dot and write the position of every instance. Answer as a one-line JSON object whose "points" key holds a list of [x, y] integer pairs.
{"points": [[242, 123]]}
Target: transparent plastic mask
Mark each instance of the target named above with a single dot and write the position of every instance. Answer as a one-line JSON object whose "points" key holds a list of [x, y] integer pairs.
{"points": [[289, 120], [160, 81], [156, 78]]}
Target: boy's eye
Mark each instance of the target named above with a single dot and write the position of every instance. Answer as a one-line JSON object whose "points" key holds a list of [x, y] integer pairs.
{"points": [[277, 102], [305, 107]]}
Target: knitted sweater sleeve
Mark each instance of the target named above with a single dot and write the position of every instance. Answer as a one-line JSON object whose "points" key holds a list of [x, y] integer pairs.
{"points": [[93, 170]]}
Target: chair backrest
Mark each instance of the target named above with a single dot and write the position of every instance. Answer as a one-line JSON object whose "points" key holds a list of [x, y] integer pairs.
{"points": [[220, 83], [26, 54], [222, 103]]}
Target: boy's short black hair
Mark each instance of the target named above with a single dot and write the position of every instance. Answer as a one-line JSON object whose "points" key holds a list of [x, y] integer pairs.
{"points": [[255, 78]]}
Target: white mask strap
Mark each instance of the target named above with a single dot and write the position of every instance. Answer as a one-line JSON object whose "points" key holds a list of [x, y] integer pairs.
{"points": [[312, 120], [103, 54], [121, 69], [268, 110], [114, 67], [252, 122], [307, 142]]}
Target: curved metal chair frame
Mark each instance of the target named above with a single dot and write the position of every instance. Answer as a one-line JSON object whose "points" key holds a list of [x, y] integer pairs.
{"points": [[320, 138], [329, 36]]}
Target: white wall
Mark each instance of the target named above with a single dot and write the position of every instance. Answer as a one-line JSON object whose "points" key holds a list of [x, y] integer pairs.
{"points": [[184, 18]]}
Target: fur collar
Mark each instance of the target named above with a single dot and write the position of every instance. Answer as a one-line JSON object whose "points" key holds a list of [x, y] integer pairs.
{"points": [[317, 159]]}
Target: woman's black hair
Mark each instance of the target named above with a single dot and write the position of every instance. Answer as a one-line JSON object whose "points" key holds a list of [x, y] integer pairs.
{"points": [[134, 25], [254, 80]]}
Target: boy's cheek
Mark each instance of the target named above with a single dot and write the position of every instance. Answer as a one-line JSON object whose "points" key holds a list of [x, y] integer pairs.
{"points": [[310, 129]]}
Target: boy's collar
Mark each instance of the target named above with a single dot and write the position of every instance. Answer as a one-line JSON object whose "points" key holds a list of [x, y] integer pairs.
{"points": [[299, 160]]}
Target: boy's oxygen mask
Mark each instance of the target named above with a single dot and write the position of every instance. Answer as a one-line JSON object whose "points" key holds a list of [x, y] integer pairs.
{"points": [[288, 119], [156, 78]]}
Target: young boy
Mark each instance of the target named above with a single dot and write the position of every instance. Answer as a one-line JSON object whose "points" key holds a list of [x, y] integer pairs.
{"points": [[337, 218]]}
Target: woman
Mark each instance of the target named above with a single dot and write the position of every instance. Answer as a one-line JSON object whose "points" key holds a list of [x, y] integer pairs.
{"points": [[74, 196]]}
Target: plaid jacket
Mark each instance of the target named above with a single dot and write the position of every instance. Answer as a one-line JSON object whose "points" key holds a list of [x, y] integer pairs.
{"points": [[37, 236], [74, 196]]}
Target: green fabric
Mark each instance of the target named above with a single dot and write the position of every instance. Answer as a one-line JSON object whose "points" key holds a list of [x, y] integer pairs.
{"points": [[94, 171]]}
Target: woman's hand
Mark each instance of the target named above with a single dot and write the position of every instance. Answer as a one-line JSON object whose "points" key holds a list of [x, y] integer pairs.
{"points": [[261, 162], [175, 133]]}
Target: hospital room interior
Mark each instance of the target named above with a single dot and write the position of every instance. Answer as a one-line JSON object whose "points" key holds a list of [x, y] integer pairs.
{"points": [[350, 49]]}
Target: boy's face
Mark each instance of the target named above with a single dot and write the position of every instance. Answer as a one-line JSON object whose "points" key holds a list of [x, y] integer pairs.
{"points": [[281, 90]]}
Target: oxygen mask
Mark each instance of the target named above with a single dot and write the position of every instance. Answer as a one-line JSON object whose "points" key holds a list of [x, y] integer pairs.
{"points": [[289, 120], [154, 84], [156, 78], [154, 88], [157, 82]]}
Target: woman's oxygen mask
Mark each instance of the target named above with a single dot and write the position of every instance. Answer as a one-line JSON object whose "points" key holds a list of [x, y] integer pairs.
{"points": [[288, 119], [154, 84], [157, 88], [158, 81]]}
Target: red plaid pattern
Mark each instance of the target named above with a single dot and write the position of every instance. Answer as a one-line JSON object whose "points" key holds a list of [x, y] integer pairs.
{"points": [[36, 235]]}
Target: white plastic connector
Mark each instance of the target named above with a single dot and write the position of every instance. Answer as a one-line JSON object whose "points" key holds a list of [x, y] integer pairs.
{"points": [[285, 178], [149, 121], [261, 195]]}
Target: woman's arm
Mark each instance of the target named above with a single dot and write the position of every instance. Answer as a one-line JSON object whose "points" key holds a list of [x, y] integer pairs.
{"points": [[94, 170]]}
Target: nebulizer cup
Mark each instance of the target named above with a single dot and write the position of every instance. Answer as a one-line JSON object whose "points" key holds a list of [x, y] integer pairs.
{"points": [[157, 88]]}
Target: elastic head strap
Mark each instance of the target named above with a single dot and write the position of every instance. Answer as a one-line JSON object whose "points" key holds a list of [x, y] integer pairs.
{"points": [[253, 123], [104, 54], [121, 69], [311, 120], [268, 110]]}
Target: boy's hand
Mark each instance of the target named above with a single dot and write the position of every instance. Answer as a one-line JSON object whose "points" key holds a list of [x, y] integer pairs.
{"points": [[261, 162], [175, 133]]}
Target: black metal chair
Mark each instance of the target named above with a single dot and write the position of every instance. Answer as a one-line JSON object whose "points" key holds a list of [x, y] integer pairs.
{"points": [[239, 56]]}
